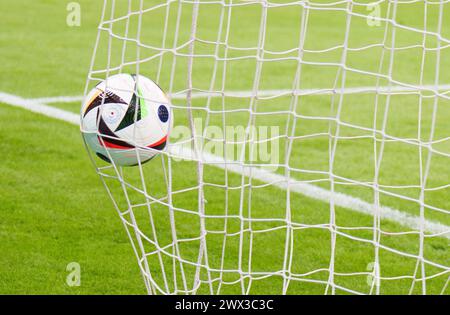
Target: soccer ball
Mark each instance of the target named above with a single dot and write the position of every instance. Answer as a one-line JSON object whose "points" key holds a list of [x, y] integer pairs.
{"points": [[126, 119]]}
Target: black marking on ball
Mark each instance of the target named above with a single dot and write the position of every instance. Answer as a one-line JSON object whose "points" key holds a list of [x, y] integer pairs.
{"points": [[160, 146], [142, 162], [163, 113], [130, 116], [104, 158], [104, 98], [111, 137]]}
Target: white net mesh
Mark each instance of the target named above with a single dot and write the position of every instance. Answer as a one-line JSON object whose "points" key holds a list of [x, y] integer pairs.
{"points": [[310, 149]]}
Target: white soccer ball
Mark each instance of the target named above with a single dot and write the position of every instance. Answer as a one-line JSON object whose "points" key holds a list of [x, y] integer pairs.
{"points": [[126, 119]]}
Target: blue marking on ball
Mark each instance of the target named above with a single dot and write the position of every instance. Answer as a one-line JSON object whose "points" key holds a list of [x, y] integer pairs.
{"points": [[163, 113]]}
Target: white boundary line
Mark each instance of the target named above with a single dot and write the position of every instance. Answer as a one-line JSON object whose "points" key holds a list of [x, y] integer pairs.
{"points": [[40, 108], [274, 93], [308, 190]]}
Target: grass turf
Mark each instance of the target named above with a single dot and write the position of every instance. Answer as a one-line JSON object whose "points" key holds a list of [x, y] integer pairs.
{"points": [[54, 209]]}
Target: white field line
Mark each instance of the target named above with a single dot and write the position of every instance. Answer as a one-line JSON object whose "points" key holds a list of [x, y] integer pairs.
{"points": [[40, 108], [308, 190], [274, 93]]}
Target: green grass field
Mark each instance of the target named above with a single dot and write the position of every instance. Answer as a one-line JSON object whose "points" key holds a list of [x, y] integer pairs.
{"points": [[54, 209]]}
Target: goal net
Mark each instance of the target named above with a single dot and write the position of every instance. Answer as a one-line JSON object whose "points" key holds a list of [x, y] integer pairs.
{"points": [[310, 152]]}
